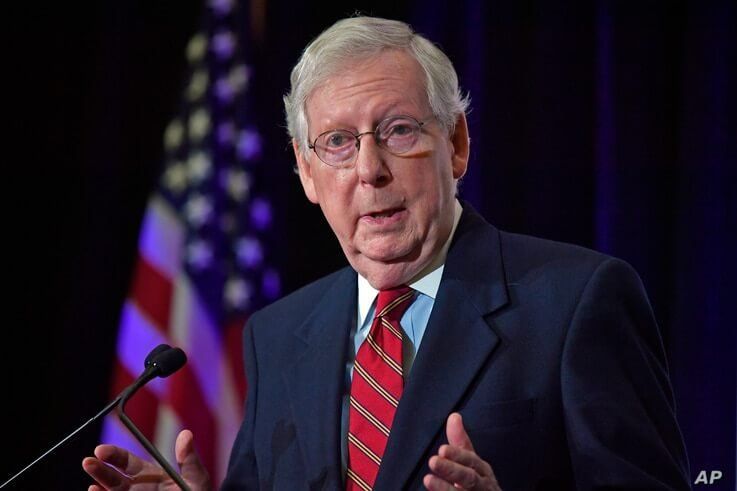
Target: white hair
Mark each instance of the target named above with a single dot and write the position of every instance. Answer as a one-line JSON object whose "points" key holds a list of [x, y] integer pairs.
{"points": [[358, 38]]}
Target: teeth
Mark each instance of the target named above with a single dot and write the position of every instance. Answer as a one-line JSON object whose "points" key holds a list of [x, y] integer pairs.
{"points": [[382, 214]]}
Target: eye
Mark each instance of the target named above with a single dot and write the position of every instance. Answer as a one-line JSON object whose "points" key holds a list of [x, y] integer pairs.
{"points": [[336, 139], [400, 129]]}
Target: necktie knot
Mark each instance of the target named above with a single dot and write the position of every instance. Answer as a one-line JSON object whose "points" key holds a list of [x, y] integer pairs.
{"points": [[392, 303]]}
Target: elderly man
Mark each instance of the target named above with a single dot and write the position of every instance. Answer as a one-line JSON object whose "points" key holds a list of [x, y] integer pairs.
{"points": [[450, 355]]}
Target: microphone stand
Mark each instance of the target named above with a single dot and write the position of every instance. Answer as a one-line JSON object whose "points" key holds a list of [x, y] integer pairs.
{"points": [[123, 399], [162, 361]]}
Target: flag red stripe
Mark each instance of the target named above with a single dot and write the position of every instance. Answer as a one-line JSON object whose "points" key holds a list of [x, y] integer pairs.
{"points": [[233, 340], [185, 397], [152, 291]]}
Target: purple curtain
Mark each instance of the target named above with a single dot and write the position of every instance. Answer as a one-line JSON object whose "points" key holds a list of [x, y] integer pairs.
{"points": [[612, 125]]}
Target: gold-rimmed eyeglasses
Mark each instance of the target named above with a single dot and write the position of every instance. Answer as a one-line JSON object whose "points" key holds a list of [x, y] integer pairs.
{"points": [[339, 148]]}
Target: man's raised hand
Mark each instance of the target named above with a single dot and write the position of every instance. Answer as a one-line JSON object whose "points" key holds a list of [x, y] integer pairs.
{"points": [[456, 465], [114, 468]]}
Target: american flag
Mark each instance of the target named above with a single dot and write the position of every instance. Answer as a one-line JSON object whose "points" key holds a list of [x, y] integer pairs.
{"points": [[203, 260]]}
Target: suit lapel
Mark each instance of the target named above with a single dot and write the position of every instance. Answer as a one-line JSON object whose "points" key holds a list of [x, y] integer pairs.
{"points": [[457, 343], [315, 381]]}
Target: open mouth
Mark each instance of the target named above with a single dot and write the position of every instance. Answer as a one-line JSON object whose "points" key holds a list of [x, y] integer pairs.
{"points": [[384, 213], [384, 217]]}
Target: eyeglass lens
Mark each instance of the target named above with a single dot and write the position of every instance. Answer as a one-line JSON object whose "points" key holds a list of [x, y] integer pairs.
{"points": [[397, 135]]}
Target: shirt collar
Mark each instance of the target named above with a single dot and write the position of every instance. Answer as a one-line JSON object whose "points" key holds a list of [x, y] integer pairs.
{"points": [[426, 281]]}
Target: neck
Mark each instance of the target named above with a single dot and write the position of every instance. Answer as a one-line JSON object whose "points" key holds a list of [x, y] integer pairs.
{"points": [[405, 272]]}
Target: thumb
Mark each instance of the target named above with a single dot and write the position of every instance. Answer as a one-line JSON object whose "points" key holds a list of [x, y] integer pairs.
{"points": [[189, 462], [456, 433]]}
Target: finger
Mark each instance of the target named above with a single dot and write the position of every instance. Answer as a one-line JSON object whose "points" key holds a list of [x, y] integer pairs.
{"points": [[434, 483], [188, 460], [107, 477], [453, 472], [121, 458], [456, 433], [117, 468], [466, 458]]}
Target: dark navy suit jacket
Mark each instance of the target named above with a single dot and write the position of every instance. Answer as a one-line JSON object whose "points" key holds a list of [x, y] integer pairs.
{"points": [[549, 351]]}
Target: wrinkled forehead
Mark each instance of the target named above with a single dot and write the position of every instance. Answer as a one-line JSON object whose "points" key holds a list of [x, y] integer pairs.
{"points": [[355, 85]]}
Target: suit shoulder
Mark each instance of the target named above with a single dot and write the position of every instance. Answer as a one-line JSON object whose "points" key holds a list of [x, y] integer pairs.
{"points": [[537, 246], [524, 255]]}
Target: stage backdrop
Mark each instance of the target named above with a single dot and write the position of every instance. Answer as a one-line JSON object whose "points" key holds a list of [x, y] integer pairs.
{"points": [[606, 124]]}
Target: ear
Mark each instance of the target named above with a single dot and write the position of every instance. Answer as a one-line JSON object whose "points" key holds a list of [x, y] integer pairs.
{"points": [[305, 173], [461, 147]]}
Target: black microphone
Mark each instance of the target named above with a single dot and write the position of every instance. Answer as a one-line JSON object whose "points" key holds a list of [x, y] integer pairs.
{"points": [[162, 361], [154, 353], [161, 364]]}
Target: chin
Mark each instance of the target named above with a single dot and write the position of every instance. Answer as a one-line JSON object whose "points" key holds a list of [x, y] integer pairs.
{"points": [[391, 254]]}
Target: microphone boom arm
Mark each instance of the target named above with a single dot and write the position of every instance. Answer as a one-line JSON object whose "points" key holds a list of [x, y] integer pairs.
{"points": [[162, 361], [140, 437]]}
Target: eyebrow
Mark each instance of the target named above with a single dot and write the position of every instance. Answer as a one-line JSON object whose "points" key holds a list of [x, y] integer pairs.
{"points": [[389, 111]]}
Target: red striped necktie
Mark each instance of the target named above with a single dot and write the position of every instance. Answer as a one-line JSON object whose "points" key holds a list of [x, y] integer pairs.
{"points": [[376, 388]]}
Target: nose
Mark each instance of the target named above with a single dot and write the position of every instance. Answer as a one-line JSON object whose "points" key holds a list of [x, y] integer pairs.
{"points": [[371, 165]]}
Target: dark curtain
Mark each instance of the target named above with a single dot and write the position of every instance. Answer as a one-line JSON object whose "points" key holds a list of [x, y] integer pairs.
{"points": [[606, 124], [612, 125]]}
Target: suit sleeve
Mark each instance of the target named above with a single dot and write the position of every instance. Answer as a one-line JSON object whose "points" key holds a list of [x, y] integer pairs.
{"points": [[242, 470], [619, 407]]}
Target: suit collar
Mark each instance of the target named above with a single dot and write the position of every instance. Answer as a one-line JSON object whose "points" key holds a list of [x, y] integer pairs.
{"points": [[457, 343], [315, 381], [475, 260]]}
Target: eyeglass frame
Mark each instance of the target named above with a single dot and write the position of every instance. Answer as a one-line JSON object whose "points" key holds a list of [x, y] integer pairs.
{"points": [[358, 136]]}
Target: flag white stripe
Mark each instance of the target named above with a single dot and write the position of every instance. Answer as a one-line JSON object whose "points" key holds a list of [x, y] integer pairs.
{"points": [[194, 331], [136, 338], [168, 427], [162, 237]]}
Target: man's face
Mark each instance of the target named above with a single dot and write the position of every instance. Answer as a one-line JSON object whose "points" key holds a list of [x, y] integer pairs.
{"points": [[390, 213]]}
